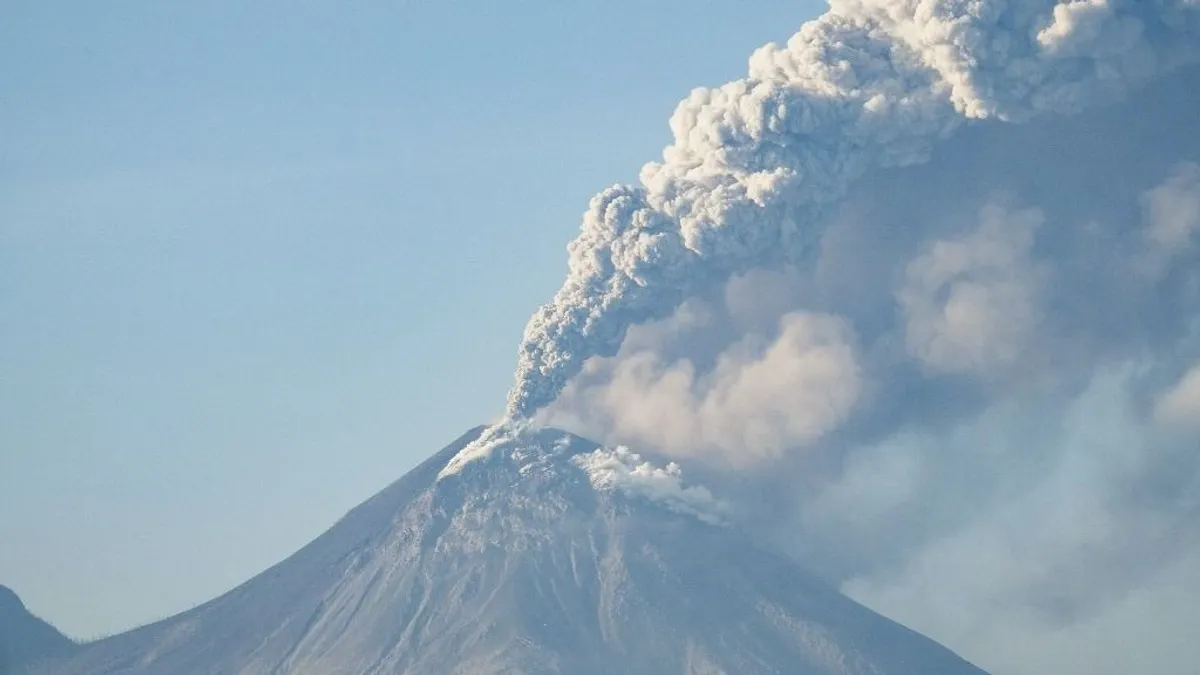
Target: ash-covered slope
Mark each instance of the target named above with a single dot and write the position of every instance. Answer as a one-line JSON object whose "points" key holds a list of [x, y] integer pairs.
{"points": [[24, 638], [544, 554]]}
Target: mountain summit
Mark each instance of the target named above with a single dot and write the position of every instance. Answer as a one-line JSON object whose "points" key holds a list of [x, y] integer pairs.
{"points": [[530, 552]]}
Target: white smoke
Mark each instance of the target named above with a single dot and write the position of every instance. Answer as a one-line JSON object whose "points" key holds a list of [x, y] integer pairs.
{"points": [[760, 398], [1180, 406], [1172, 215], [757, 162], [1022, 471], [971, 302], [621, 469], [990, 360]]}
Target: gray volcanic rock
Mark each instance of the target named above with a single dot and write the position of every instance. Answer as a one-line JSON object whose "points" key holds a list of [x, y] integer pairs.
{"points": [[543, 554], [24, 638]]}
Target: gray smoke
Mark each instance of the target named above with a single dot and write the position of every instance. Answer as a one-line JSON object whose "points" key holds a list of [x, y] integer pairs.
{"points": [[929, 277], [757, 163], [1016, 473]]}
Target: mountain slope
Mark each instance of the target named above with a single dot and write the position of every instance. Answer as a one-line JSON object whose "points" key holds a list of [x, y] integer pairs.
{"points": [[24, 638], [543, 554]]}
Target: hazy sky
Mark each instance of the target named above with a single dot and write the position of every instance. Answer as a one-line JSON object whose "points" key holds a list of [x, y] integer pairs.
{"points": [[258, 259], [920, 297]]}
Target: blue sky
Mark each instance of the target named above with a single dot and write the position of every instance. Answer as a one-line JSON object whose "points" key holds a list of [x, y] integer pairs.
{"points": [[259, 259]]}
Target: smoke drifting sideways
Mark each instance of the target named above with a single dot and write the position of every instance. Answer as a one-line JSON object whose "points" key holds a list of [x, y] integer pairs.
{"points": [[758, 163], [978, 410], [935, 292]]}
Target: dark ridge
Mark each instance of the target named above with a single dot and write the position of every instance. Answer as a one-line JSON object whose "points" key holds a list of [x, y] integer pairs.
{"points": [[24, 638]]}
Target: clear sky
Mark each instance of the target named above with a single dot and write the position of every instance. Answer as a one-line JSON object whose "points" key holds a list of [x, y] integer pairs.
{"points": [[259, 259]]}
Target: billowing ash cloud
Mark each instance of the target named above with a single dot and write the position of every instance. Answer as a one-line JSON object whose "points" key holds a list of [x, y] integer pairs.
{"points": [[969, 303], [1015, 454], [761, 397], [756, 164], [930, 278]]}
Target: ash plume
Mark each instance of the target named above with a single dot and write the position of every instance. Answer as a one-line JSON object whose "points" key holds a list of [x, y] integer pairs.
{"points": [[928, 279], [757, 163]]}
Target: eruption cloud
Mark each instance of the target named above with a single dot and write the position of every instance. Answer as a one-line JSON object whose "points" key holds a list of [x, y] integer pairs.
{"points": [[757, 163], [918, 300]]}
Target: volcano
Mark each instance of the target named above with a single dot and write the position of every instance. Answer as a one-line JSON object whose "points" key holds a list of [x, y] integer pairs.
{"points": [[531, 552]]}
